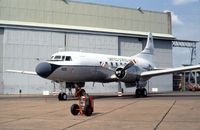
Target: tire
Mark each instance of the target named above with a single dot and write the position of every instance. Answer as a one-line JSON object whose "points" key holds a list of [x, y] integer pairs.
{"points": [[137, 93], [60, 97], [74, 109], [64, 96], [83, 92], [144, 92], [88, 110]]}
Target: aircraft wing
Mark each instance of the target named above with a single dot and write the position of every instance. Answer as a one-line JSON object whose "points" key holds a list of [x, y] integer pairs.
{"points": [[168, 71], [22, 72]]}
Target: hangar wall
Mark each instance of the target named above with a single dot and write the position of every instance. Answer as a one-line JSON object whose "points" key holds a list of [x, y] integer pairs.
{"points": [[24, 49], [1, 61], [92, 43], [129, 46], [35, 29], [163, 59]]}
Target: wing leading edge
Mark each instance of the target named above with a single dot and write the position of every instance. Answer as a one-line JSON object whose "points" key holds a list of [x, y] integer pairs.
{"points": [[168, 71]]}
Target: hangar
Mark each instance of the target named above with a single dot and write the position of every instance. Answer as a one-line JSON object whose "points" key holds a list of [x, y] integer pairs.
{"points": [[32, 30]]}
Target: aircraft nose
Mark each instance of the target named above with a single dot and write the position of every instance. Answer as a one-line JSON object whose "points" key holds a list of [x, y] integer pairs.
{"points": [[43, 69]]}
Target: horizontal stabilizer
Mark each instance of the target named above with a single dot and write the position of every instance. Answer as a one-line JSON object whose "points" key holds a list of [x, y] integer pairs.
{"points": [[22, 72]]}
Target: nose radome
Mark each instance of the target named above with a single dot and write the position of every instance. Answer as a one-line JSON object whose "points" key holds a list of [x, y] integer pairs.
{"points": [[43, 69]]}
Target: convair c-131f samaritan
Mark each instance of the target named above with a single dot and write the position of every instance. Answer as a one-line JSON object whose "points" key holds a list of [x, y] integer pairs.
{"points": [[76, 68]]}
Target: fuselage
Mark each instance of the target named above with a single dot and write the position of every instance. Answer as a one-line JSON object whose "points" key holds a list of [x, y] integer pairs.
{"points": [[87, 67]]}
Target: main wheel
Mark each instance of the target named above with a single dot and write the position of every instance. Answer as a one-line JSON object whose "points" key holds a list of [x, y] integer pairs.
{"points": [[62, 96], [88, 110], [137, 93], [75, 109], [144, 92]]}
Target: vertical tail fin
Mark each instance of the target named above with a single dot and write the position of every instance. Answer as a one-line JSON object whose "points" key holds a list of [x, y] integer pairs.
{"points": [[148, 51], [149, 48]]}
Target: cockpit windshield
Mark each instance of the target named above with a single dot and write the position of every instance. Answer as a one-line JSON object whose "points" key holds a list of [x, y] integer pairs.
{"points": [[60, 58]]}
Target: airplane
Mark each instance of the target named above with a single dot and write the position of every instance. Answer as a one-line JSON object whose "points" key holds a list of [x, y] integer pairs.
{"points": [[76, 68]]}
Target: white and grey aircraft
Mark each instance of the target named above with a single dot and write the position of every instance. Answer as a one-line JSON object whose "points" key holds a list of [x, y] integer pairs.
{"points": [[76, 68]]}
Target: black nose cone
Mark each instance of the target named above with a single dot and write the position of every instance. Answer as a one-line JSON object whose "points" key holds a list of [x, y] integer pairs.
{"points": [[44, 69]]}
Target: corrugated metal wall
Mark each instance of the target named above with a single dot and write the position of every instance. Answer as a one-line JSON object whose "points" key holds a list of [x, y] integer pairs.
{"points": [[92, 43], [129, 46], [96, 44], [23, 50], [1, 61], [163, 59]]}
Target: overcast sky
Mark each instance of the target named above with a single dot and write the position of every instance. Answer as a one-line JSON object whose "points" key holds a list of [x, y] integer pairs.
{"points": [[185, 19]]}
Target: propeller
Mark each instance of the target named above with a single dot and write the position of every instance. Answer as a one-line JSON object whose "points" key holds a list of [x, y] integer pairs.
{"points": [[131, 63], [120, 72]]}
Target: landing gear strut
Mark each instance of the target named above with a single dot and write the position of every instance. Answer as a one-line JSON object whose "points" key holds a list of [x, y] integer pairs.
{"points": [[65, 85], [140, 92]]}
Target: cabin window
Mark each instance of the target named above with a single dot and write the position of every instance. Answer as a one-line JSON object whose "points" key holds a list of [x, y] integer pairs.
{"points": [[106, 63], [111, 64], [68, 58]]}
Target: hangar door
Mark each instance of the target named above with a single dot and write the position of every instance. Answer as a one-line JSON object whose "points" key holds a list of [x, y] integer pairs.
{"points": [[1, 61], [129, 46], [102, 44], [163, 59], [23, 50], [92, 43], [163, 49]]}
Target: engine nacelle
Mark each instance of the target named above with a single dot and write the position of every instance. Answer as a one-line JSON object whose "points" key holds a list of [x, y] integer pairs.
{"points": [[131, 75]]}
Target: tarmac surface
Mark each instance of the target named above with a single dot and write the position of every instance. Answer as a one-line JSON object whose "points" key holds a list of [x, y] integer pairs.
{"points": [[171, 111]]}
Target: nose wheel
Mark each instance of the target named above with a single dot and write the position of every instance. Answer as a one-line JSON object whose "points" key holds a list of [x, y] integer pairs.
{"points": [[140, 92]]}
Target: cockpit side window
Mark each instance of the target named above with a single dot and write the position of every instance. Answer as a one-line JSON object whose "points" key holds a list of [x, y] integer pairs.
{"points": [[57, 58], [51, 57], [68, 58], [63, 58], [60, 58]]}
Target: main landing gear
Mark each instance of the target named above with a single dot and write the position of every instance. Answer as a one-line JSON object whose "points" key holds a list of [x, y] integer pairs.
{"points": [[140, 92], [62, 96]]}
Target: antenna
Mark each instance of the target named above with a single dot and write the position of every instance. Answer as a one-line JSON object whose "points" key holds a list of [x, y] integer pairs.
{"points": [[140, 9]]}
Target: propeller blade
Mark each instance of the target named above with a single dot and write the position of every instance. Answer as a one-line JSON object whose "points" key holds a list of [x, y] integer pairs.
{"points": [[131, 63]]}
